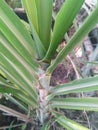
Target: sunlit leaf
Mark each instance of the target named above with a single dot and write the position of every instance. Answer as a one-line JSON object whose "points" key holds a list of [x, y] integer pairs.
{"points": [[16, 33], [80, 85], [44, 12], [90, 104], [31, 9], [89, 23], [63, 21]]}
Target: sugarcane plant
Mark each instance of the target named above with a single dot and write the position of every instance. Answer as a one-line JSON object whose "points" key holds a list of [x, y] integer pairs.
{"points": [[26, 62]]}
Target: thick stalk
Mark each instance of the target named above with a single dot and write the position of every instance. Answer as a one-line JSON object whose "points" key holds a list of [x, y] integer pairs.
{"points": [[43, 88]]}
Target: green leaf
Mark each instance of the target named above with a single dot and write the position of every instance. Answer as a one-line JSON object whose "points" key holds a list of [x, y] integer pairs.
{"points": [[46, 125], [14, 41], [16, 102], [27, 99], [31, 10], [27, 85], [92, 62], [7, 87], [27, 26], [76, 38], [89, 104], [44, 12], [16, 33], [17, 72], [23, 126], [41, 51], [25, 94], [2, 74], [7, 48], [80, 85], [11, 125], [17, 52], [67, 123], [14, 60], [30, 7], [63, 21]]}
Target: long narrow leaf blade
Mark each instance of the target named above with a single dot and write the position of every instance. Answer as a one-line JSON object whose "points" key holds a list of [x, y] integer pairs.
{"points": [[5, 86], [44, 11], [24, 93], [30, 7], [8, 56], [27, 99], [31, 10], [41, 51], [67, 123], [16, 33], [6, 48], [16, 102], [62, 23], [76, 38], [17, 52], [81, 85], [18, 71], [13, 69], [7, 89], [89, 104]]}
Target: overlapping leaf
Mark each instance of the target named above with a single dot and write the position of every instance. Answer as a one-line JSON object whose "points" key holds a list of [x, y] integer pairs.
{"points": [[44, 13], [63, 21], [16, 32], [17, 53], [6, 87], [67, 123], [31, 9], [89, 23]]}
